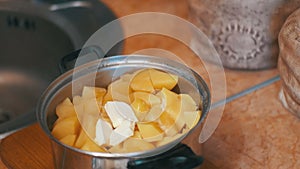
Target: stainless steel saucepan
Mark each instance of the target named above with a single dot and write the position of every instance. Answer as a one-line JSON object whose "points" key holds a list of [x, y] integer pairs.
{"points": [[101, 72]]}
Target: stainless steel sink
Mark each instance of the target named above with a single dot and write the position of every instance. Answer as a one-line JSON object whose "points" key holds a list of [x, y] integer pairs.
{"points": [[34, 36]]}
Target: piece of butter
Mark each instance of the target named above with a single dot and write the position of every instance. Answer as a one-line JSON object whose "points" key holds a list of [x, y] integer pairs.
{"points": [[103, 132], [122, 132], [125, 111], [113, 114], [119, 111]]}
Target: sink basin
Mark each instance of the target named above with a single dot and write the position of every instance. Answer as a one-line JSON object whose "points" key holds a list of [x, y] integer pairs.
{"points": [[34, 36]]}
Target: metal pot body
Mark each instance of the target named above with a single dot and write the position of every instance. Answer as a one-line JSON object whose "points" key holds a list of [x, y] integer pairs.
{"points": [[102, 72]]}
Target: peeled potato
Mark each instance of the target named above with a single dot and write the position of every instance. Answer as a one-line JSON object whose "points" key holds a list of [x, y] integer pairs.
{"points": [[154, 108], [150, 131], [67, 126], [87, 112], [91, 96], [142, 82], [90, 145], [88, 123], [78, 104], [120, 90], [91, 107], [107, 97], [93, 92], [69, 139], [162, 79], [149, 98], [167, 123], [168, 139], [169, 119], [117, 149], [96, 93], [65, 109], [187, 103], [166, 120], [140, 108], [82, 137], [154, 113], [137, 135], [189, 114], [191, 118], [134, 145], [171, 102]]}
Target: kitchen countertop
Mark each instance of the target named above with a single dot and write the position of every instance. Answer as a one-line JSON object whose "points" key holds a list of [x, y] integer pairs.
{"points": [[255, 130]]}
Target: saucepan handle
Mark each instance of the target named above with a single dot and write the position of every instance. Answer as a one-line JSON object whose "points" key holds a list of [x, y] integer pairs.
{"points": [[89, 53], [180, 156]]}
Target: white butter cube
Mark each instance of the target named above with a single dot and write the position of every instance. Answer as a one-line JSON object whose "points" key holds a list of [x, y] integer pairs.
{"points": [[125, 111], [119, 111], [113, 114], [121, 133]]}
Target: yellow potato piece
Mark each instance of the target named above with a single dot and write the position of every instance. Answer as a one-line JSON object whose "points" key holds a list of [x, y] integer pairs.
{"points": [[87, 112], [96, 93], [149, 98], [67, 126], [154, 113], [135, 145], [187, 105], [140, 108], [91, 107], [150, 131], [128, 77], [162, 79], [142, 82], [82, 137], [154, 102], [168, 139], [120, 91], [191, 118], [117, 149], [69, 139], [78, 104], [168, 124], [90, 101], [171, 102], [107, 97], [65, 109], [85, 109], [88, 124], [90, 145], [93, 92], [137, 135], [169, 119]]}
